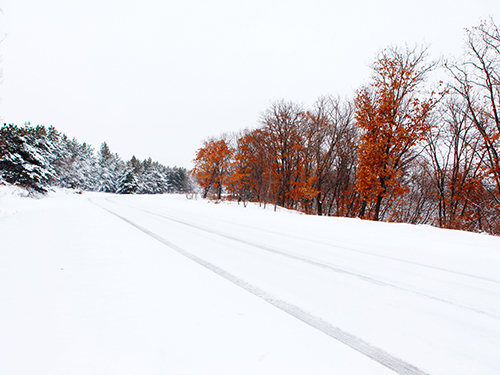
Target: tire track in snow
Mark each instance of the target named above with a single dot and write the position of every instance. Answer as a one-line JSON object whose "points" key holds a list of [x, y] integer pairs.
{"points": [[413, 263], [391, 362], [316, 263]]}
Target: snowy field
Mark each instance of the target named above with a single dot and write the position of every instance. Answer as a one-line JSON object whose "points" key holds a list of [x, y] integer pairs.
{"points": [[106, 284]]}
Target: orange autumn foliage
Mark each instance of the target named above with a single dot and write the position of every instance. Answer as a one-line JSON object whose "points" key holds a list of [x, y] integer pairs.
{"points": [[252, 175], [284, 124], [211, 166], [392, 120]]}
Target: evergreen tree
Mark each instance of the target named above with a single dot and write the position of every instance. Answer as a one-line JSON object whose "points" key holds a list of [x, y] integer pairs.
{"points": [[77, 166], [128, 182], [153, 179], [135, 164], [179, 180], [40, 157], [21, 161], [109, 168]]}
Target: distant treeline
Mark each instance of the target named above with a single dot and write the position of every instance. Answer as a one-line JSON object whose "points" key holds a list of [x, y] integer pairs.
{"points": [[39, 157], [407, 148]]}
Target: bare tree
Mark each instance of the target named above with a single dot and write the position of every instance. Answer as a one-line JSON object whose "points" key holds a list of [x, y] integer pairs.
{"points": [[330, 138], [477, 82], [283, 124]]}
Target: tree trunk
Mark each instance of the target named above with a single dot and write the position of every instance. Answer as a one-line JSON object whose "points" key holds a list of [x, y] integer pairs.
{"points": [[377, 207], [319, 204], [362, 209]]}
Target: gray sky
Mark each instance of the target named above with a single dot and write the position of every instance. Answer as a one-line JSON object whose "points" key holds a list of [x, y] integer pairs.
{"points": [[156, 77]]}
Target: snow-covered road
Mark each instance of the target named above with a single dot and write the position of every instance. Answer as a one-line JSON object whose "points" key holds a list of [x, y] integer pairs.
{"points": [[193, 287]]}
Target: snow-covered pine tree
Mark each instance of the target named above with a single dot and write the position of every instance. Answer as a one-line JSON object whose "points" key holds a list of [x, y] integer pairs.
{"points": [[153, 182], [39, 157], [180, 180], [22, 159], [135, 164], [77, 165], [108, 169], [127, 182]]}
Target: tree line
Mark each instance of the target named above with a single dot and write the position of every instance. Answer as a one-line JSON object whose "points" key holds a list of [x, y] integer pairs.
{"points": [[39, 157], [405, 149]]}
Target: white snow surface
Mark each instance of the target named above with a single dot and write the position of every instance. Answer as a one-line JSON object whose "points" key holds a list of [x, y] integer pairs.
{"points": [[105, 284]]}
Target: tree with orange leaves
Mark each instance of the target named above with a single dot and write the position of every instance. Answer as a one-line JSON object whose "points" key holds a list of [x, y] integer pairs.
{"points": [[283, 123], [253, 176], [211, 166], [392, 118]]}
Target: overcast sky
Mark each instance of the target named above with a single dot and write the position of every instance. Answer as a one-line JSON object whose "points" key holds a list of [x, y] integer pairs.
{"points": [[156, 77]]}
